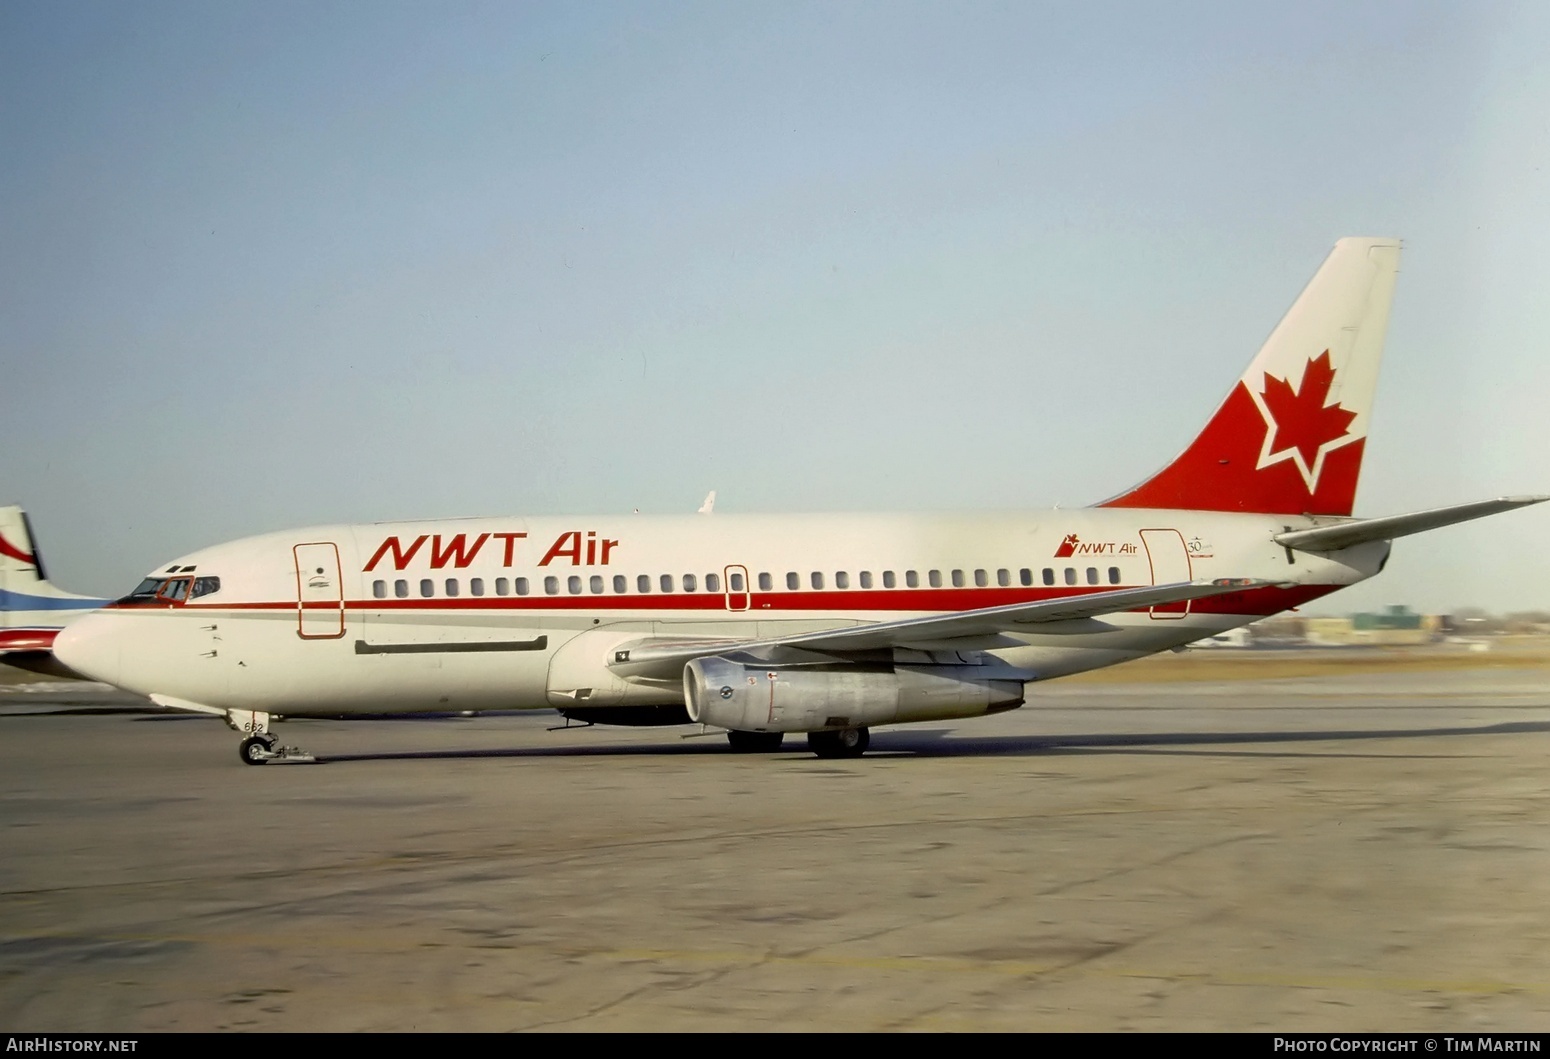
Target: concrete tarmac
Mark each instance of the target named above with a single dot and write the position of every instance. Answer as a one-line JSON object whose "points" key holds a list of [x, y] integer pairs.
{"points": [[1342, 852]]}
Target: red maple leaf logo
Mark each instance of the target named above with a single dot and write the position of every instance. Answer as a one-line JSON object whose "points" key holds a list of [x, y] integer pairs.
{"points": [[1301, 419]]}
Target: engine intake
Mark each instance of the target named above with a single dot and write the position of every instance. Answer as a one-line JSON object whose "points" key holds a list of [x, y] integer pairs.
{"points": [[748, 697]]}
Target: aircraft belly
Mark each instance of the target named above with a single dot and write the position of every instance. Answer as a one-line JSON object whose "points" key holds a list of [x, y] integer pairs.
{"points": [[257, 661]]}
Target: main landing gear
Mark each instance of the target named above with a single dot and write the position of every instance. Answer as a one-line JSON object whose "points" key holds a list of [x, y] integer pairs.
{"points": [[755, 742], [847, 742], [261, 747]]}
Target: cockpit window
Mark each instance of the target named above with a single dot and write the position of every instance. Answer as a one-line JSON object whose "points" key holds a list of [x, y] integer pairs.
{"points": [[174, 589], [145, 590]]}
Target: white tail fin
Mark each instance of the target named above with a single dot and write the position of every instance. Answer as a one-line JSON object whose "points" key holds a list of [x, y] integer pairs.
{"points": [[32, 609], [1290, 436], [20, 564]]}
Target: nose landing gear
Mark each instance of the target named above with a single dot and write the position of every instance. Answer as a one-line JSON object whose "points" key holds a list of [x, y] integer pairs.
{"points": [[255, 750], [261, 747]]}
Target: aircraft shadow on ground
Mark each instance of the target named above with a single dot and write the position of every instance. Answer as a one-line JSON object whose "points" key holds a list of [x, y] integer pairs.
{"points": [[934, 743]]}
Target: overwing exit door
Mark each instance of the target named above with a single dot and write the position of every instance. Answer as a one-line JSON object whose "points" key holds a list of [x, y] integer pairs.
{"points": [[738, 589]]}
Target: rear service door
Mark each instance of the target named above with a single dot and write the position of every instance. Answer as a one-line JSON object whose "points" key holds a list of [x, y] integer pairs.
{"points": [[1170, 565], [319, 592]]}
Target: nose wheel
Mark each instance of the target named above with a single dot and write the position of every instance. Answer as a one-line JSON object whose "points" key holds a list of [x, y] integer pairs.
{"points": [[261, 747], [256, 750], [848, 742]]}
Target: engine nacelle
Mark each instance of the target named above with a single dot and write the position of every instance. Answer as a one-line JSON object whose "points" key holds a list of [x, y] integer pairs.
{"points": [[753, 698]]}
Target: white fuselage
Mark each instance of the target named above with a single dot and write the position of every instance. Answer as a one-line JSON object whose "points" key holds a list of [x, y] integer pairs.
{"points": [[511, 613]]}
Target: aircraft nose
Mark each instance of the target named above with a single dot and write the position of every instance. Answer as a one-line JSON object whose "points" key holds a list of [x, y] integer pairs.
{"points": [[90, 646]]}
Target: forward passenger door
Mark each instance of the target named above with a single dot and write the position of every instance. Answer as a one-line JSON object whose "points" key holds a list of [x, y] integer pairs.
{"points": [[319, 591]]}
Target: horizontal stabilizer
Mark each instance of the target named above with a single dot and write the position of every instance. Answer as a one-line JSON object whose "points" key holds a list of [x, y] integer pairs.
{"points": [[1340, 535]]}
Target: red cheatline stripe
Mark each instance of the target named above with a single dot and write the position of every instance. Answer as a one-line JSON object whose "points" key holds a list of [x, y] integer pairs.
{"points": [[27, 639], [942, 601], [12, 551]]}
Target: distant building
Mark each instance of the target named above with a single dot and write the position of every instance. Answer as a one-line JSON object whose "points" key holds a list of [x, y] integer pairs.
{"points": [[1396, 626]]}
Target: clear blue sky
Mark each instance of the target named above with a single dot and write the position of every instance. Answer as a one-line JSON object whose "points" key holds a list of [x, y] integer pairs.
{"points": [[275, 264]]}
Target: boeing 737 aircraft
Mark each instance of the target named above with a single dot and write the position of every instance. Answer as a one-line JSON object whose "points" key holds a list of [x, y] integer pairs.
{"points": [[762, 625]]}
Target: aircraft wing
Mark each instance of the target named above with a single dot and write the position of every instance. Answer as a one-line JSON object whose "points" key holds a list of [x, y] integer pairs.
{"points": [[654, 656], [1332, 538]]}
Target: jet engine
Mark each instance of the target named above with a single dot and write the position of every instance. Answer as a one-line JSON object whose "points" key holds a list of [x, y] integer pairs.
{"points": [[749, 697]]}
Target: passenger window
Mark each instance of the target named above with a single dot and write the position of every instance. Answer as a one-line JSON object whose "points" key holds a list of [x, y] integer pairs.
{"points": [[1025, 577], [451, 586], [981, 579], [911, 579], [204, 586], [379, 589], [866, 579], [643, 584], [766, 582], [690, 584], [667, 582], [551, 585], [817, 579], [1004, 578], [935, 578], [1092, 575], [1070, 575], [401, 589], [1113, 575], [889, 581], [957, 578], [621, 584], [1049, 576], [737, 582], [427, 588], [573, 583], [476, 586], [842, 580], [793, 582], [713, 582], [521, 586], [596, 584], [502, 586]]}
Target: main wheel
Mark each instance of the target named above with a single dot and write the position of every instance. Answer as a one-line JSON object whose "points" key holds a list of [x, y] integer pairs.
{"points": [[253, 751], [847, 742], [755, 742]]}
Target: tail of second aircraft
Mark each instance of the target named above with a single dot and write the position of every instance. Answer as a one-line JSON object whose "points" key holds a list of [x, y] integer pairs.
{"points": [[32, 609], [1289, 437]]}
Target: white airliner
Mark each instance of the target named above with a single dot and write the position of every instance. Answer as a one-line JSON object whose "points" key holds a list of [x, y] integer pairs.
{"points": [[768, 624]]}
